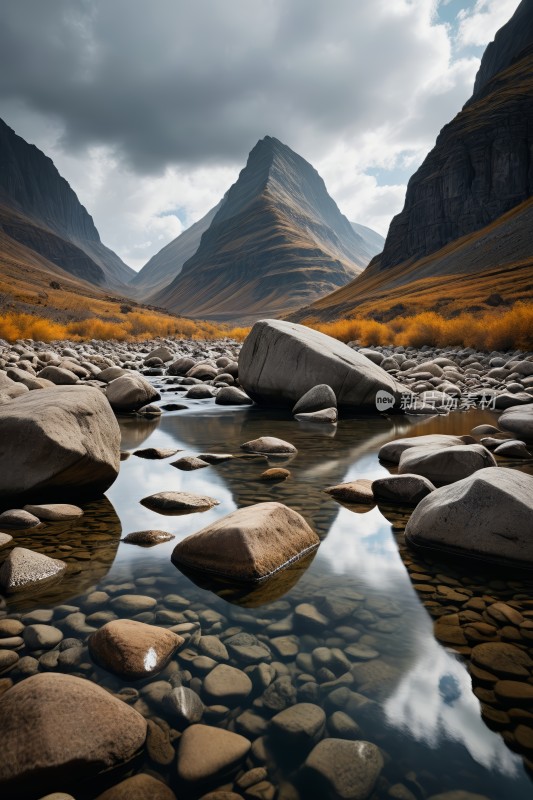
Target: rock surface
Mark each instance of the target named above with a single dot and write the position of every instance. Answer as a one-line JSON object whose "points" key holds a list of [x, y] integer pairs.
{"points": [[442, 465], [248, 544], [519, 420], [178, 502], [281, 361], [487, 515], [24, 569], [148, 538], [206, 752], [348, 769], [139, 787], [130, 392], [75, 444], [132, 649], [71, 729]]}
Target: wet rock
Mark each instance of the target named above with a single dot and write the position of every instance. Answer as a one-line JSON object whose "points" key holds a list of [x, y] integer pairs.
{"points": [[139, 787], [404, 489], [348, 769], [181, 366], [484, 430], [215, 458], [183, 705], [178, 502], [158, 744], [359, 491], [8, 659], [148, 538], [55, 512], [199, 392], [300, 725], [279, 694], [212, 646], [341, 726], [132, 649], [269, 445], [248, 544], [130, 392], [156, 452], [17, 518], [502, 659], [275, 474], [318, 398], [41, 637], [227, 685], [393, 450], [308, 617], [24, 569], [75, 444], [189, 463], [232, 396], [518, 420], [133, 603], [281, 361], [327, 416], [71, 728], [487, 515], [59, 376], [163, 353], [5, 539], [445, 465], [10, 627], [512, 449], [206, 753]]}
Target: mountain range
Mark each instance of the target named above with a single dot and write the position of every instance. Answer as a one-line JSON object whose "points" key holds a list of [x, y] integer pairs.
{"points": [[462, 239]]}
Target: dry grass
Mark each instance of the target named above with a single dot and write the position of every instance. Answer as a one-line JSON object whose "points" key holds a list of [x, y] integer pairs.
{"points": [[488, 330], [137, 325]]}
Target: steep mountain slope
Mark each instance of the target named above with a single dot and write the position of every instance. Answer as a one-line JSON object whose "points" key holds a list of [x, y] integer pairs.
{"points": [[277, 241], [165, 265], [50, 218], [373, 240], [479, 170]]}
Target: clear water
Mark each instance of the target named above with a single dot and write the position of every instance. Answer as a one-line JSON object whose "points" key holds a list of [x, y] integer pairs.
{"points": [[425, 716]]}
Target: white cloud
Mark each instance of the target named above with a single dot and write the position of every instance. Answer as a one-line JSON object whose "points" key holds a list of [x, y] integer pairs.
{"points": [[479, 25]]}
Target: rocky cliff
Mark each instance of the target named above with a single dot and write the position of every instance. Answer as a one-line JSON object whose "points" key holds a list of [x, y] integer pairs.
{"points": [[278, 240], [481, 165], [58, 227]]}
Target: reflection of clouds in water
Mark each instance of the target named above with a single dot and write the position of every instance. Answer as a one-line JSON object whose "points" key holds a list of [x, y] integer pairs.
{"points": [[419, 707]]}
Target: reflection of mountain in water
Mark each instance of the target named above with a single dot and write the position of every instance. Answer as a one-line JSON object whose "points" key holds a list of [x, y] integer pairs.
{"points": [[88, 545], [135, 430]]}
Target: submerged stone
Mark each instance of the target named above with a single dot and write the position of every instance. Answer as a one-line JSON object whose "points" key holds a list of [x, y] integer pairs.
{"points": [[24, 568], [132, 649]]}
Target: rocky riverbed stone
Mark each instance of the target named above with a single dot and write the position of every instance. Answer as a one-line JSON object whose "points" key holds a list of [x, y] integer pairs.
{"points": [[139, 787], [443, 465], [248, 544], [25, 568], [227, 685], [487, 515], [327, 416], [392, 451], [41, 637], [18, 518], [132, 649], [133, 603], [75, 444], [518, 420], [130, 392], [55, 512], [404, 489], [348, 769], [318, 398], [148, 538], [178, 502], [275, 474], [269, 445], [359, 491], [189, 463], [156, 453], [72, 729], [183, 705], [207, 753], [300, 725], [5, 538]]}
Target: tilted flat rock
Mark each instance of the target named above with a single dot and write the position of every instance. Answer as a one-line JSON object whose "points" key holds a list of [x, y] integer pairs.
{"points": [[18, 518], [148, 538], [178, 502], [359, 491], [446, 464], [280, 361], [24, 568], [318, 398], [206, 752], [518, 420], [130, 392], [391, 451], [408, 489], [248, 544], [132, 649], [139, 787], [487, 515], [71, 444], [54, 511], [72, 729], [268, 444], [327, 416]]}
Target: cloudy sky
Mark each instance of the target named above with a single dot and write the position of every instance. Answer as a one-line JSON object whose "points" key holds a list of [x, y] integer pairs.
{"points": [[150, 107]]}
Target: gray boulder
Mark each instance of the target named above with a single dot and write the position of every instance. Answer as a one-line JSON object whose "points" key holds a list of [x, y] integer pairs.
{"points": [[61, 442], [316, 399], [130, 392], [24, 568], [487, 515], [280, 361], [391, 451], [404, 489], [443, 465], [519, 420]]}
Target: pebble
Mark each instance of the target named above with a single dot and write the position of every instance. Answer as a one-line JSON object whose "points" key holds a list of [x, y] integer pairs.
{"points": [[348, 768], [41, 637], [227, 685], [206, 753]]}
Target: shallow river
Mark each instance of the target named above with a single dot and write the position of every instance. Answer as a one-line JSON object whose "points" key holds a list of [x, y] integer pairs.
{"points": [[420, 707]]}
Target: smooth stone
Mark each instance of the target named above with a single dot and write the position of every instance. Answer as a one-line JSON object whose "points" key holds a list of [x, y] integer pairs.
{"points": [[41, 637], [148, 538], [132, 649], [487, 514], [269, 445], [514, 693], [139, 787], [280, 361], [249, 544], [227, 685], [131, 603], [213, 647], [72, 729], [215, 458], [232, 396], [328, 416], [178, 502], [349, 769], [18, 518], [184, 705], [404, 489], [130, 393], [518, 420], [300, 725], [5, 539], [342, 726], [275, 474], [484, 430], [8, 659], [68, 454], [318, 398], [158, 744], [199, 392], [24, 569], [502, 659], [392, 451], [359, 491], [156, 452], [206, 753], [55, 511], [10, 627], [189, 463], [512, 449], [445, 465]]}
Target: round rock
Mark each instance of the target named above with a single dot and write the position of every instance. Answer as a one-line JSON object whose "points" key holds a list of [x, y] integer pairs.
{"points": [[139, 787], [226, 685], [148, 538], [300, 725], [55, 511], [349, 769], [132, 649], [178, 502], [205, 753]]}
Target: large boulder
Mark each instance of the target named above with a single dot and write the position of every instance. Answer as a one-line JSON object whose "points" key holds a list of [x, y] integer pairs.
{"points": [[445, 464], [249, 544], [130, 392], [58, 730], [487, 515], [64, 442], [519, 420], [280, 361], [392, 451]]}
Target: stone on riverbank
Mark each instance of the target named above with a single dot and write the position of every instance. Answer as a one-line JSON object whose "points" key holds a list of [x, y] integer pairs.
{"points": [[130, 392], [519, 420], [132, 649], [447, 464], [24, 569], [178, 502]]}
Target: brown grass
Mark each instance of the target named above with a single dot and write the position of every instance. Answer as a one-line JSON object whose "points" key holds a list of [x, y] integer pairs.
{"points": [[488, 330]]}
